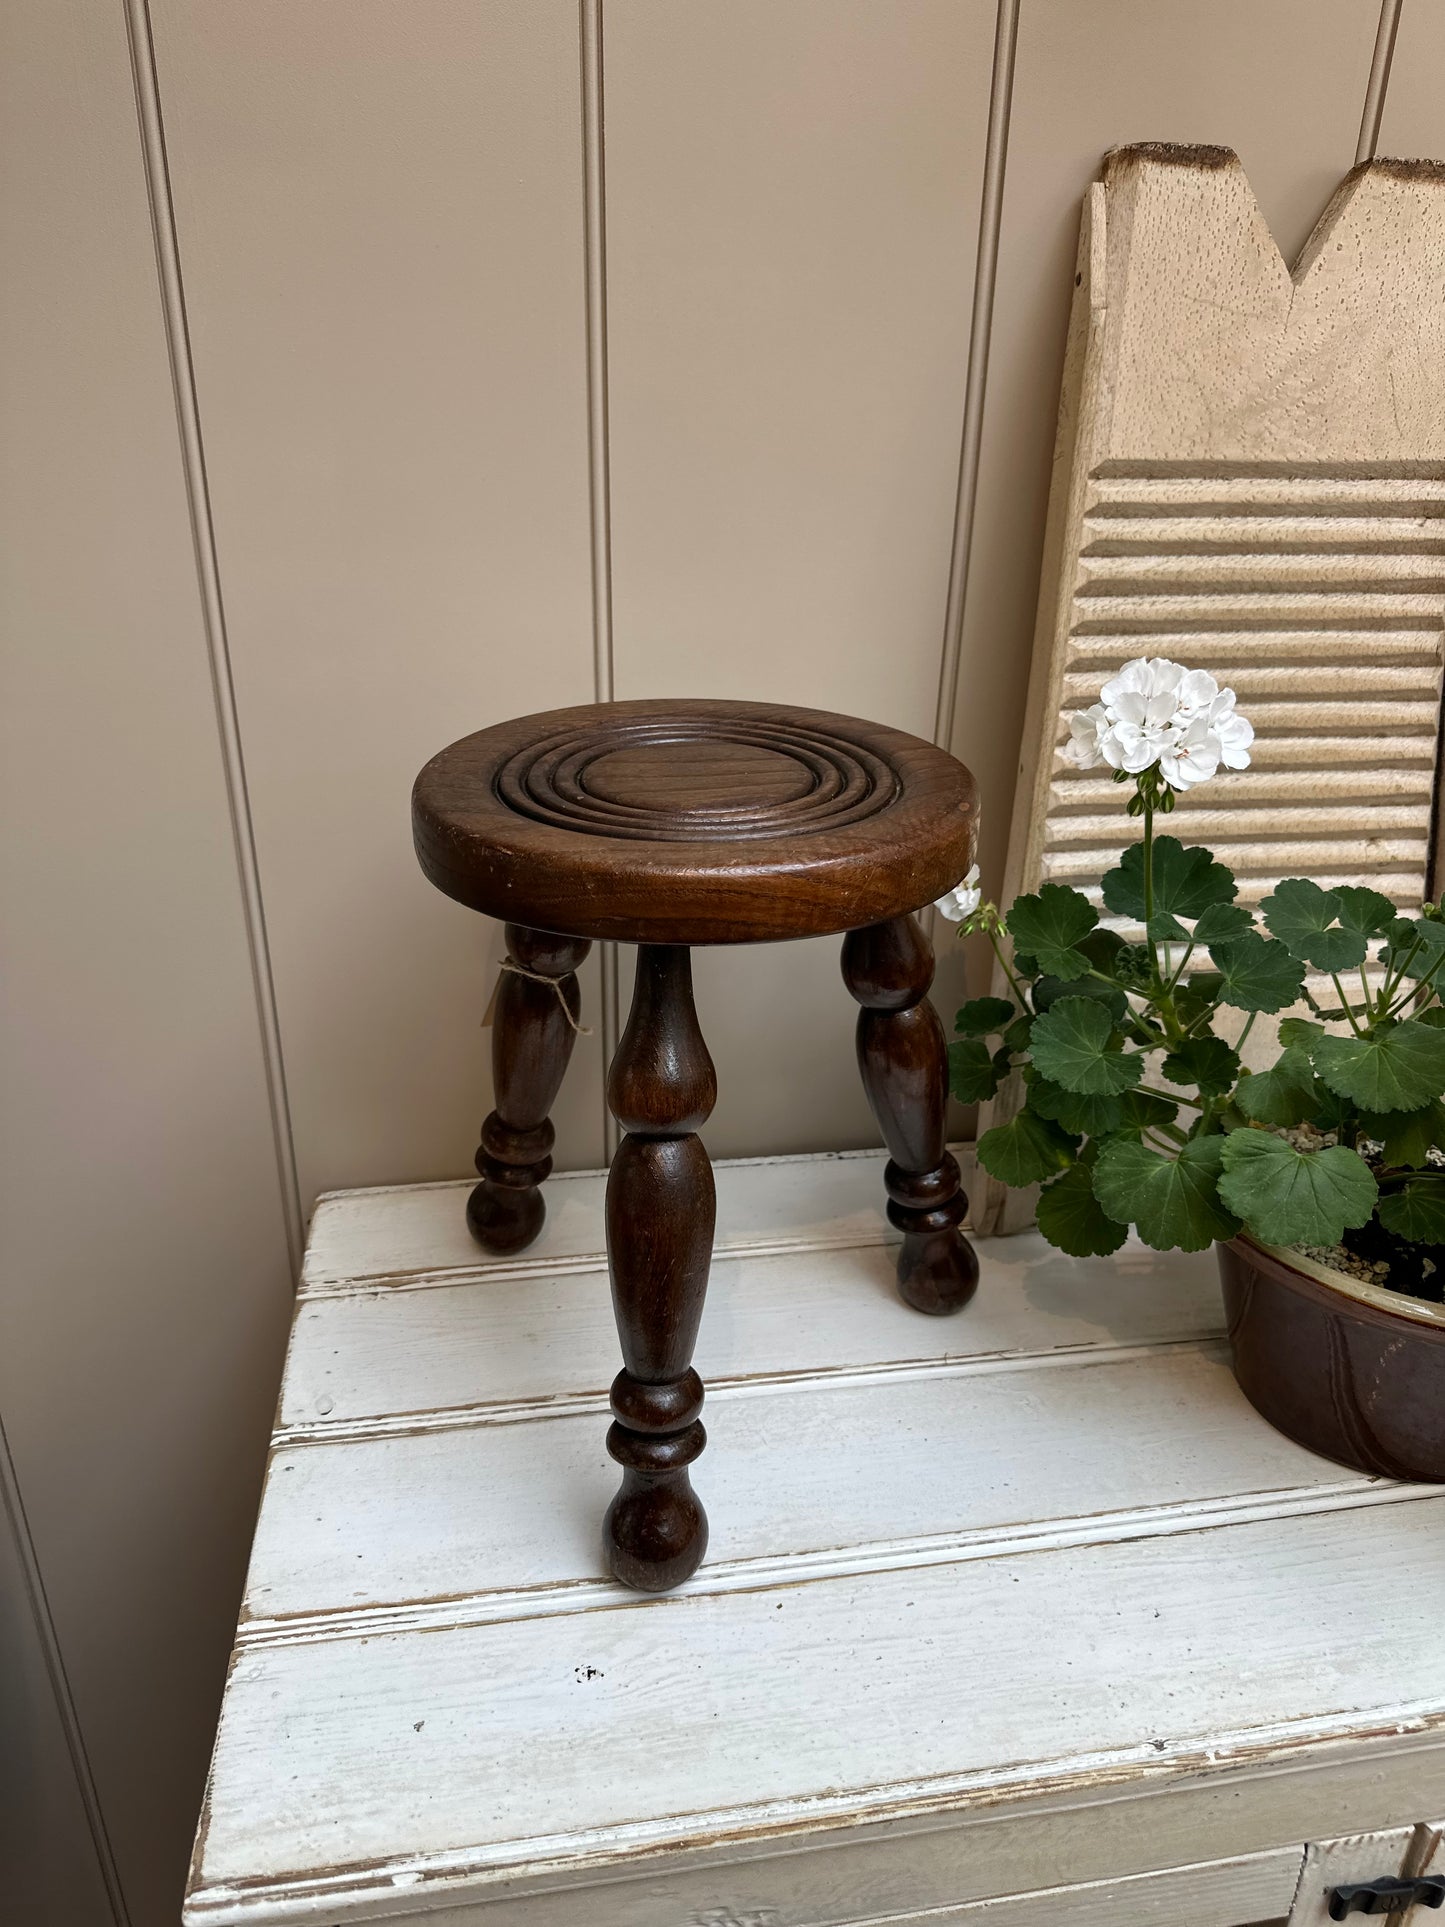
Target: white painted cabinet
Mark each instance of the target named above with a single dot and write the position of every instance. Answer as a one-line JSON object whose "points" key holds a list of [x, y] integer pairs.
{"points": [[1021, 1617]]}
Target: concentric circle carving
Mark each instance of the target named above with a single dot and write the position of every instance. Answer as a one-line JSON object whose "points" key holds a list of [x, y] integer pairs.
{"points": [[696, 779]]}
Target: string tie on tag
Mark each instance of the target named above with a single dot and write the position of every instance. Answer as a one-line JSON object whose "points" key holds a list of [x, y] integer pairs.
{"points": [[553, 984]]}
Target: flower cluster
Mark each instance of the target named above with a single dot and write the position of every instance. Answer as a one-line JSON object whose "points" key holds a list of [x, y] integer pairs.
{"points": [[962, 900], [1158, 712], [1129, 1099]]}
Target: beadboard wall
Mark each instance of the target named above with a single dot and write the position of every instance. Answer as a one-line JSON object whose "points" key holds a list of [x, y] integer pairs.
{"points": [[375, 371]]}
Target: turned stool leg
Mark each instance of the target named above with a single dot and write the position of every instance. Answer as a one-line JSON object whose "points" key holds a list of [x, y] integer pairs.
{"points": [[904, 1060], [660, 1210], [532, 1040]]}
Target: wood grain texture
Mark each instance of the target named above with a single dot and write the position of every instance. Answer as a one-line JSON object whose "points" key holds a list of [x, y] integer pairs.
{"points": [[661, 1207], [535, 1025], [693, 822], [1250, 476], [903, 1058], [418, 1730]]}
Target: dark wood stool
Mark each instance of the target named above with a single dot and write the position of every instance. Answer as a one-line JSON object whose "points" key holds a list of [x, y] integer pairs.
{"points": [[668, 824]]}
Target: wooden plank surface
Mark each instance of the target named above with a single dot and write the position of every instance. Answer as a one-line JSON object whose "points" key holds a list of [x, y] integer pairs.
{"points": [[1042, 1551], [941, 1448], [453, 1752]]}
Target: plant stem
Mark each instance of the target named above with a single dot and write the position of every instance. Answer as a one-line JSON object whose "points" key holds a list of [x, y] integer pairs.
{"points": [[1146, 796], [1248, 1027], [1169, 1097], [1345, 1003], [1023, 1002]]}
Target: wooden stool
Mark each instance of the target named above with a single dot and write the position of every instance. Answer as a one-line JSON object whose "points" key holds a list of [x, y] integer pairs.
{"points": [[668, 824]]}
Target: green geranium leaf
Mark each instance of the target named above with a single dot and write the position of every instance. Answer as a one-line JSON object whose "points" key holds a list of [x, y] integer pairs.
{"points": [[1186, 882], [984, 1016], [1221, 922], [1070, 1217], [1433, 1015], [1305, 919], [1258, 974], [1050, 925], [1199, 992], [1285, 1094], [1416, 1211], [1075, 1044], [1206, 1064], [1102, 947], [1172, 1200], [1289, 1197], [1141, 1111], [1406, 1137], [1016, 1037], [1425, 938], [1086, 1114], [1364, 910], [1395, 1069], [1167, 930], [1026, 1150], [1300, 1031], [1048, 990], [973, 1076]]}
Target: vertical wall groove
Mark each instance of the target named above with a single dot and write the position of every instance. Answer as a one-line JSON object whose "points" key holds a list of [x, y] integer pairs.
{"points": [[1379, 81], [12, 1506], [594, 179], [980, 329], [163, 226]]}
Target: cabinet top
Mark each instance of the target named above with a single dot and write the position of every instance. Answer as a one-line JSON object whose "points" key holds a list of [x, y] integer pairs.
{"points": [[1042, 1550]]}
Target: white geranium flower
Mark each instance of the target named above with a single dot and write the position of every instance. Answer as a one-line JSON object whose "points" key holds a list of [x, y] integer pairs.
{"points": [[962, 900], [1157, 712], [1086, 728], [1193, 758], [1197, 690], [1234, 732], [1147, 677]]}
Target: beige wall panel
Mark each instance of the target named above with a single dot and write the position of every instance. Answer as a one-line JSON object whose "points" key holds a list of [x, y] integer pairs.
{"points": [[380, 216], [49, 1871], [144, 1274], [1283, 83], [792, 205], [1412, 126]]}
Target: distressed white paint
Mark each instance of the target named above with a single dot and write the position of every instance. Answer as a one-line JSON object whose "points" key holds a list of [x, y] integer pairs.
{"points": [[1002, 1613], [1394, 1851]]}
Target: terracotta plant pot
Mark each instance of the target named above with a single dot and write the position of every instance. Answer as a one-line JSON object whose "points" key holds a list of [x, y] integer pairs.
{"points": [[1348, 1369]]}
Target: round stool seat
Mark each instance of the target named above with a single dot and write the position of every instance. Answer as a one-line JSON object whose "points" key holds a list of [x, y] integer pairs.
{"points": [[693, 822]]}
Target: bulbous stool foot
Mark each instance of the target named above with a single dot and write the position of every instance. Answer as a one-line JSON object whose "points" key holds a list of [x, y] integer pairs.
{"points": [[903, 1058], [534, 1029]]}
